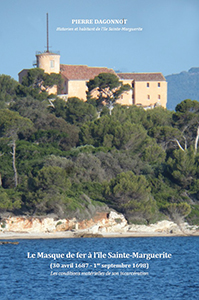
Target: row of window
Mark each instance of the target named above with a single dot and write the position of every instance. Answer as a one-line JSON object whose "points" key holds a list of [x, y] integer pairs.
{"points": [[146, 84], [148, 97], [149, 84]]}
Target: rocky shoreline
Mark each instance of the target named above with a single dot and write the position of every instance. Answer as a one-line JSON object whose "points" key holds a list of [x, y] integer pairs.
{"points": [[111, 224]]}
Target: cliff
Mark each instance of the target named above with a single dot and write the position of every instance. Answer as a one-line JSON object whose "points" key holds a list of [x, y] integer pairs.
{"points": [[102, 223]]}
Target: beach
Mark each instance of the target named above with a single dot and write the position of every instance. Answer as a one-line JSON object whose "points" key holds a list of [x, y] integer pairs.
{"points": [[78, 234]]}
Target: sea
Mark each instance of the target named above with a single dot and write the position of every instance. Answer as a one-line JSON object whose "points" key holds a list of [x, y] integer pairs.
{"points": [[150, 268]]}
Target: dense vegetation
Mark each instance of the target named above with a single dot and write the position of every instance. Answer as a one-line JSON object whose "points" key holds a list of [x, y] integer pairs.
{"points": [[73, 158]]}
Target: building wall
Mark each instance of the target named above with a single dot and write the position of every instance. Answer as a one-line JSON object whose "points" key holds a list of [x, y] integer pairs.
{"points": [[141, 94], [49, 62], [149, 93], [22, 74], [77, 88], [126, 97]]}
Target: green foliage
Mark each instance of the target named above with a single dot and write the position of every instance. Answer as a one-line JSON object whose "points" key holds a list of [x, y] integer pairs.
{"points": [[187, 106], [131, 195], [158, 116], [154, 154], [109, 132], [47, 191], [31, 108], [182, 167], [71, 158], [78, 112], [74, 111], [177, 211], [9, 200], [11, 123], [193, 217], [186, 120], [108, 88], [8, 90], [38, 80]]}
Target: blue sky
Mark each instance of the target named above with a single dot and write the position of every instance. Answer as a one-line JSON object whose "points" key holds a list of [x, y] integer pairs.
{"points": [[168, 43]]}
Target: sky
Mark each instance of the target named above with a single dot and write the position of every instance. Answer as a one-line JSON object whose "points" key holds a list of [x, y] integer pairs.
{"points": [[168, 41]]}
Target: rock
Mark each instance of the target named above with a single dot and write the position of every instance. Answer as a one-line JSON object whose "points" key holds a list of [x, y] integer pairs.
{"points": [[88, 235], [6, 243], [94, 229]]}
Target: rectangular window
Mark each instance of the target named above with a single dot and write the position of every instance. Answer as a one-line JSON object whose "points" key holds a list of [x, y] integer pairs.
{"points": [[147, 84], [158, 84], [159, 97], [52, 63], [148, 97]]}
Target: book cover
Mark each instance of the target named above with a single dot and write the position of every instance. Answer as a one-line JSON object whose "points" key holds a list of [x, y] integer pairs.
{"points": [[99, 187]]}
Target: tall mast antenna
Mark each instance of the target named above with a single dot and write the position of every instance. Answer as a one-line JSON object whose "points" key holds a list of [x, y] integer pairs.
{"points": [[47, 32]]}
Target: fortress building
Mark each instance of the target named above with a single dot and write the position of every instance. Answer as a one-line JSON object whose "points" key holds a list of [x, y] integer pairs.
{"points": [[148, 89]]}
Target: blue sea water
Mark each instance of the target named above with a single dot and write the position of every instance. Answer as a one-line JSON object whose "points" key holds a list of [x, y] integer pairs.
{"points": [[93, 269]]}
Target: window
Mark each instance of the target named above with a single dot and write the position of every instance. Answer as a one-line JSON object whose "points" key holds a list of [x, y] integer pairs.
{"points": [[133, 85], [148, 97], [159, 97], [147, 84], [158, 84], [52, 63]]}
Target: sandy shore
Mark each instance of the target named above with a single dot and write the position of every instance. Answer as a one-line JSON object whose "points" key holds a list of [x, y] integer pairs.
{"points": [[76, 234]]}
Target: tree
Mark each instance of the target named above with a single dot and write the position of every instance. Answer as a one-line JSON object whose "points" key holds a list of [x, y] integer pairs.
{"points": [[48, 190], [9, 200], [130, 194], [59, 108], [78, 112], [158, 116], [166, 136], [182, 167], [31, 108], [108, 88], [8, 88], [109, 132], [177, 211], [11, 123], [186, 119], [56, 131], [38, 81]]}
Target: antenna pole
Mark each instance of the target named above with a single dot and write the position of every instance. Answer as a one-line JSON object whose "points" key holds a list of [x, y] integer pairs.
{"points": [[47, 32]]}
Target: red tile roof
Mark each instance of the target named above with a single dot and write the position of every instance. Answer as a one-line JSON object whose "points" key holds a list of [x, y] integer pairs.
{"points": [[75, 72], [142, 76]]}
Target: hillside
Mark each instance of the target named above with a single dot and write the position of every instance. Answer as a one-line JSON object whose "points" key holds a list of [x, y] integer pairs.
{"points": [[184, 85], [75, 158]]}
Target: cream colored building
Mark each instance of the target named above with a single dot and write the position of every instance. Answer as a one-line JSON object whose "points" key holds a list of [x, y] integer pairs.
{"points": [[75, 79], [148, 89], [47, 61]]}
